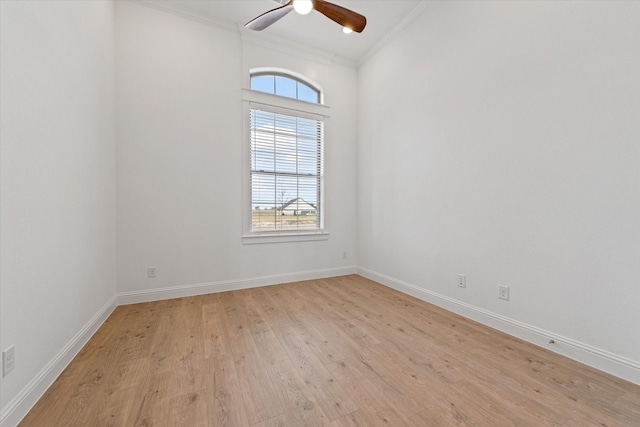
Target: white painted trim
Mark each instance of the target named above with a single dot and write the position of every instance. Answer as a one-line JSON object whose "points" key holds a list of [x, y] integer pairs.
{"points": [[286, 105], [605, 361], [268, 41], [600, 359], [149, 295], [258, 239], [393, 33], [22, 403], [188, 13], [290, 47]]}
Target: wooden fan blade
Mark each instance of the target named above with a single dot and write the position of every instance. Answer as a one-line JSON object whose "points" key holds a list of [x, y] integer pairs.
{"points": [[343, 16], [270, 17]]}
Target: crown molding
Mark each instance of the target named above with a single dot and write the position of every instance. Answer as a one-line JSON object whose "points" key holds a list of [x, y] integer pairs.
{"points": [[393, 33], [287, 46], [269, 41], [188, 13]]}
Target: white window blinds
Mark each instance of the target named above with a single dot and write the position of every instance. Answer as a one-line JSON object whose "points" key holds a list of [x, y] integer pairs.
{"points": [[286, 171]]}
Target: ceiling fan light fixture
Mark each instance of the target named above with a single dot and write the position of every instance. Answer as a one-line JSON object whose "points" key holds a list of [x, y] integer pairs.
{"points": [[303, 6], [345, 17], [347, 30]]}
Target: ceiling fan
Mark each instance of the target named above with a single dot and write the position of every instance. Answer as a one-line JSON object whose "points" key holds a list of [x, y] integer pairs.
{"points": [[350, 20]]}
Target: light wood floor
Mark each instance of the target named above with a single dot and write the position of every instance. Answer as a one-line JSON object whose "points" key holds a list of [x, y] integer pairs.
{"points": [[336, 352]]}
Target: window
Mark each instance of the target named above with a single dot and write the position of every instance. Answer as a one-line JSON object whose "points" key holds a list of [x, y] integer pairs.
{"points": [[286, 171], [282, 85], [285, 157]]}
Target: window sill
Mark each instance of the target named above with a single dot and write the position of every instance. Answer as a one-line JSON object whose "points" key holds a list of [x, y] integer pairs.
{"points": [[256, 239]]}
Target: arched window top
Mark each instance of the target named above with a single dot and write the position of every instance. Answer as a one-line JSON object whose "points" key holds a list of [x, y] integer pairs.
{"points": [[283, 83]]}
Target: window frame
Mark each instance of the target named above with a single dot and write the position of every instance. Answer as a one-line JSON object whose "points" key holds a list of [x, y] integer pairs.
{"points": [[295, 78], [289, 106]]}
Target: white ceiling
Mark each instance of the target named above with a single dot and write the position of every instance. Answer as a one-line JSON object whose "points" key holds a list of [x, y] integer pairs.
{"points": [[313, 30]]}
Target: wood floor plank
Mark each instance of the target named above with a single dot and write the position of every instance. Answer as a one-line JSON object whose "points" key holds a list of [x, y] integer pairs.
{"points": [[339, 352], [354, 419], [300, 407], [297, 310], [223, 391], [433, 417], [326, 390], [118, 393], [265, 339], [189, 410], [280, 421], [354, 371], [115, 409], [151, 404], [256, 386], [326, 323]]}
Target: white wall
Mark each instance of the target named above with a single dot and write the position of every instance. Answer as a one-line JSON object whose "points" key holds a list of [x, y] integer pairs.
{"points": [[500, 140], [180, 164], [57, 193], [496, 139]]}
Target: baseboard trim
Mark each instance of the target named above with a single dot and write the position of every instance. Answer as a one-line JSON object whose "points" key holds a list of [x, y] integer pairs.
{"points": [[20, 405], [619, 366], [135, 297], [613, 364]]}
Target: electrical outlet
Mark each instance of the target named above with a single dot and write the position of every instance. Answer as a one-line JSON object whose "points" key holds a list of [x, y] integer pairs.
{"points": [[344, 255], [8, 360], [151, 272], [503, 292], [462, 280]]}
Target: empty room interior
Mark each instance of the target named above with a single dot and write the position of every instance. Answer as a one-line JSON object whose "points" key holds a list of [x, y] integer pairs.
{"points": [[400, 213]]}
